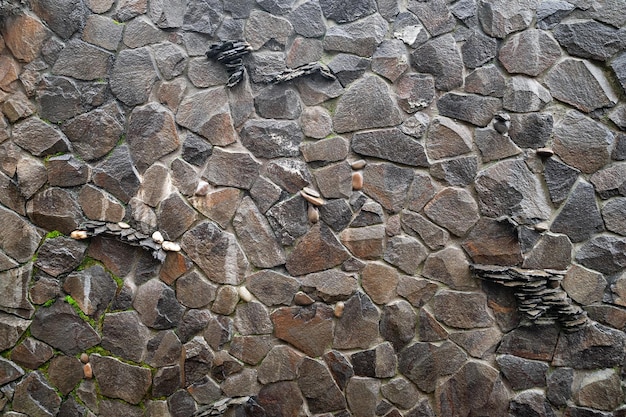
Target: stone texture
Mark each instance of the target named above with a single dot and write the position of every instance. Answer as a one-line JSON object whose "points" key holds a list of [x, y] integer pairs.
{"points": [[263, 28], [600, 390], [271, 138], [609, 182], [360, 37], [123, 334], [348, 68], [523, 373], [406, 253], [194, 291], [207, 114], [602, 253], [390, 60], [441, 58], [39, 138], [280, 364], [358, 326], [119, 380], [133, 75], [30, 353], [278, 102], [157, 305], [14, 295], [397, 324], [232, 169], [367, 104], [390, 144], [477, 110], [55, 209], [272, 288], [319, 388], [592, 88], [116, 174], [478, 50], [588, 39], [309, 329], [530, 52], [462, 310], [347, 12], [65, 372], [329, 150], [34, 397], [500, 18], [415, 92], [329, 286], [559, 178], [525, 95], [93, 288], [321, 241], [82, 61], [415, 224], [289, 173], [102, 31], [570, 220], [449, 266], [559, 383], [364, 242], [444, 210], [24, 35], [307, 19], [288, 218], [387, 184], [361, 394], [423, 363], [612, 213], [594, 346]]}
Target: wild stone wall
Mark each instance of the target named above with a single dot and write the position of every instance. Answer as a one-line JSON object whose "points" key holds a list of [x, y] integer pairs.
{"points": [[318, 236]]}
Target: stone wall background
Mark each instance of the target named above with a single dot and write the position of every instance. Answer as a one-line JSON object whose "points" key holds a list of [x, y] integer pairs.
{"points": [[457, 132]]}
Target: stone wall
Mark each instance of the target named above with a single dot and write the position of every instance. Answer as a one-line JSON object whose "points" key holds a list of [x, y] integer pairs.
{"points": [[317, 240]]}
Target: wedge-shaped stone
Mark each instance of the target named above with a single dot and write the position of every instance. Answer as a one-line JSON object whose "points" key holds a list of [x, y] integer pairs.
{"points": [[309, 328], [207, 113], [318, 387], [117, 379], [318, 250], [392, 145], [358, 326], [38, 137], [424, 363], [133, 75], [441, 58], [360, 37]]}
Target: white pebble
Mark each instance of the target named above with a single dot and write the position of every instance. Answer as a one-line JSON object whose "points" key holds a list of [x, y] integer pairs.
{"points": [[313, 214], [79, 235], [202, 188], [339, 309], [123, 225], [313, 200], [170, 246], [244, 294], [358, 164], [158, 237]]}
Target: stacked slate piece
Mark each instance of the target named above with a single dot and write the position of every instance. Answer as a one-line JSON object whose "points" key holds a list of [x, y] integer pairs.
{"points": [[539, 294]]}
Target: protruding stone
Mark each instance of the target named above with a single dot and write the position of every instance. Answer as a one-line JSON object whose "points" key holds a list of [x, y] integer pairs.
{"points": [[273, 288], [477, 110], [530, 52], [309, 328], [570, 220], [24, 35], [424, 363], [492, 242], [592, 347], [531, 342], [405, 253], [524, 94], [581, 84], [364, 242], [55, 209], [289, 219], [365, 105], [478, 49], [486, 80], [588, 39], [30, 353], [441, 58], [110, 374], [39, 138], [82, 61], [226, 300], [397, 324], [603, 253], [359, 37], [348, 68], [319, 388], [207, 114], [280, 364], [31, 175], [358, 327], [329, 286], [501, 18], [610, 181], [264, 28], [232, 169], [132, 76], [390, 60], [613, 214], [550, 13], [415, 224], [34, 397]]}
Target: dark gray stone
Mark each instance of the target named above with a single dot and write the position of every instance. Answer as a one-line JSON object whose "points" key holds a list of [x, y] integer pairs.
{"points": [[167, 15], [589, 39], [271, 138], [347, 11], [387, 184], [207, 114], [390, 60], [202, 16], [55, 209], [278, 102], [232, 169], [524, 200], [272, 288], [123, 334], [434, 15], [58, 98], [415, 224], [93, 289], [524, 94], [592, 347], [64, 17], [157, 305], [82, 61], [471, 108], [60, 255], [619, 68], [530, 52], [367, 104], [580, 217], [478, 49], [523, 373], [603, 253], [493, 145], [171, 60], [531, 130], [458, 171], [133, 75], [582, 142], [348, 68], [67, 171], [38, 137], [487, 81], [359, 37], [141, 32], [423, 363], [116, 174], [610, 181], [49, 324], [559, 383], [358, 326], [613, 213], [319, 388], [581, 84], [441, 58], [102, 31], [390, 144], [551, 12], [264, 29], [289, 173], [453, 208], [252, 318], [120, 380], [409, 29], [289, 219], [308, 20], [397, 324], [94, 134], [34, 397], [336, 213], [196, 150], [501, 17], [415, 91]]}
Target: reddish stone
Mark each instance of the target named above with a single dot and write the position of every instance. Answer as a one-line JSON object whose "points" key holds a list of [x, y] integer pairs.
{"points": [[309, 328]]}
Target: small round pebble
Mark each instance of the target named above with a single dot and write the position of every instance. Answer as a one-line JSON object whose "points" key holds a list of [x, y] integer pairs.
{"points": [[313, 214], [202, 188], [170, 246], [158, 237], [79, 235], [357, 180], [84, 358], [302, 299], [339, 309], [123, 225], [244, 294], [360, 164]]}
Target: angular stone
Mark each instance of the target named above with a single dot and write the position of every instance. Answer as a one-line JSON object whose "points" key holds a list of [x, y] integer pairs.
{"points": [[17, 107], [358, 327], [493, 145], [163, 349], [500, 18], [24, 35], [400, 392], [581, 84], [550, 13], [348, 68], [63, 17], [584, 286], [477, 110], [271, 138], [280, 364], [551, 252], [49, 323], [241, 384], [39, 138], [364, 242], [559, 178], [82, 61], [360, 37], [371, 213], [523, 373], [336, 213], [277, 102], [524, 201], [379, 281], [406, 253], [157, 305], [65, 372], [272, 288], [480, 343], [94, 134], [251, 349], [610, 182], [174, 216], [599, 389], [445, 207], [116, 175], [93, 289], [67, 171], [289, 173], [441, 58], [14, 294], [532, 401], [198, 358], [344, 12], [592, 347], [102, 31], [334, 181], [365, 105], [194, 291], [288, 218], [487, 81], [529, 52], [525, 95], [55, 209], [316, 89], [321, 241], [603, 253], [34, 397], [328, 150], [531, 342], [392, 145], [435, 15], [30, 353], [462, 310], [362, 395], [9, 371], [203, 73], [232, 169], [31, 176], [613, 214], [199, 16], [390, 60], [415, 224], [423, 363], [307, 19], [252, 318], [608, 315], [493, 243], [618, 66], [280, 399], [559, 383], [397, 324], [207, 114], [456, 172], [387, 184], [151, 134], [309, 328], [226, 300], [133, 75], [417, 291], [141, 32], [263, 28], [478, 49], [319, 388], [329, 286], [219, 205], [415, 91], [588, 39], [119, 380], [570, 220], [123, 334]]}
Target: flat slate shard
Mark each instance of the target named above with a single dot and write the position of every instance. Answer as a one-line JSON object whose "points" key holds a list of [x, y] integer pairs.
{"points": [[390, 144], [441, 58], [581, 84], [367, 104], [216, 252]]}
